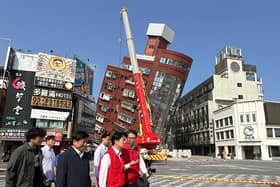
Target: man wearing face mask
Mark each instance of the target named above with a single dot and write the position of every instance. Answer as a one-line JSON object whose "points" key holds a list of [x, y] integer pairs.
{"points": [[131, 152]]}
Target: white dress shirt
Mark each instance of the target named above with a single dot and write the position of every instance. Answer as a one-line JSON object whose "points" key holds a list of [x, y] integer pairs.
{"points": [[99, 152], [49, 162], [81, 154], [104, 167], [142, 166]]}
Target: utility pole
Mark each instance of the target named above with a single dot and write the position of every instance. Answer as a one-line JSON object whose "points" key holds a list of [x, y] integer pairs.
{"points": [[6, 61]]}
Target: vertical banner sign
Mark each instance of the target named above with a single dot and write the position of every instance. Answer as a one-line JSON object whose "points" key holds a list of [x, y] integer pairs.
{"points": [[90, 80], [84, 78], [18, 101], [80, 73]]}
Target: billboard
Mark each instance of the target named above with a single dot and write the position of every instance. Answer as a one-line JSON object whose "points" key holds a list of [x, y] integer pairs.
{"points": [[84, 78], [55, 67], [25, 61], [17, 108], [51, 98], [49, 114]]}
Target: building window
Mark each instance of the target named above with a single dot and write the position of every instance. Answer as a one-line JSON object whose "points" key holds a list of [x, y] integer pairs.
{"points": [[254, 117], [248, 118], [109, 74], [128, 106], [126, 118], [100, 118], [230, 120], [104, 96], [222, 135], [277, 132], [227, 134], [240, 96], [110, 86], [151, 46], [232, 134], [175, 63], [241, 118], [226, 121], [129, 93], [269, 132], [239, 84], [104, 108], [221, 123]]}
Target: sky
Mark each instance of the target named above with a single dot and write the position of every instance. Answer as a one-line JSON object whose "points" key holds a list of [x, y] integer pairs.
{"points": [[90, 29]]}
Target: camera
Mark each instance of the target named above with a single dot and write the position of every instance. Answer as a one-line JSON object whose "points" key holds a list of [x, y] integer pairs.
{"points": [[151, 170]]}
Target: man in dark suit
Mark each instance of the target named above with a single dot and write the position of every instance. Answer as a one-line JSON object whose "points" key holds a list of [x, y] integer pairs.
{"points": [[73, 166]]}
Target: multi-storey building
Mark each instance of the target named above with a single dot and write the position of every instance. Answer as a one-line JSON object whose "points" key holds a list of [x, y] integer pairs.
{"points": [[233, 80], [240, 130], [164, 74], [272, 118]]}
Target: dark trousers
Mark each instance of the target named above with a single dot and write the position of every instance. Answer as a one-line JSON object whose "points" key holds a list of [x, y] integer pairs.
{"points": [[130, 185]]}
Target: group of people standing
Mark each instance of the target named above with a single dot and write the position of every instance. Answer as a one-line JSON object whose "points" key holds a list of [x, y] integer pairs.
{"points": [[118, 165]]}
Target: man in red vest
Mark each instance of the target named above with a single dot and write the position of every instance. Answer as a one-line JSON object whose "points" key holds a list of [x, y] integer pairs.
{"points": [[112, 165], [130, 153]]}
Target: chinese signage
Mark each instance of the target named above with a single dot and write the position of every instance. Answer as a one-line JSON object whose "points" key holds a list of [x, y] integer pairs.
{"points": [[12, 134], [59, 94], [49, 114], [54, 67], [53, 83], [51, 102], [25, 61], [17, 107]]}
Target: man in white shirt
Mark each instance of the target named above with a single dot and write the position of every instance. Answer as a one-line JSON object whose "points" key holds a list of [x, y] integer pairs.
{"points": [[49, 162], [112, 165], [99, 152]]}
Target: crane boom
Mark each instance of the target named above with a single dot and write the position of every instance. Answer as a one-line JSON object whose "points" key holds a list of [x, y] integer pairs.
{"points": [[147, 138]]}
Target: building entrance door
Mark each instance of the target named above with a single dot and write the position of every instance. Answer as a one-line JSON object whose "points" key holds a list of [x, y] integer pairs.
{"points": [[249, 152]]}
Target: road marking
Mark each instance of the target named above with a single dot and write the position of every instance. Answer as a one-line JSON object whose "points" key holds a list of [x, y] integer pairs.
{"points": [[160, 182], [226, 180]]}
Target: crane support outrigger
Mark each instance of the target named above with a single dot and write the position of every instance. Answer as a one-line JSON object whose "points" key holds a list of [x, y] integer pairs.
{"points": [[147, 138]]}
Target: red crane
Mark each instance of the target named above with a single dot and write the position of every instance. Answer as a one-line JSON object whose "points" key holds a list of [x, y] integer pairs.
{"points": [[147, 138]]}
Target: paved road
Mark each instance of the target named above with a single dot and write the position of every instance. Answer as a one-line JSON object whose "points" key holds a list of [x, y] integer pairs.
{"points": [[211, 173], [217, 173]]}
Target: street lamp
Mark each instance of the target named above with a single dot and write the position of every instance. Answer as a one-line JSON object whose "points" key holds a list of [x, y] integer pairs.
{"points": [[6, 60]]}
